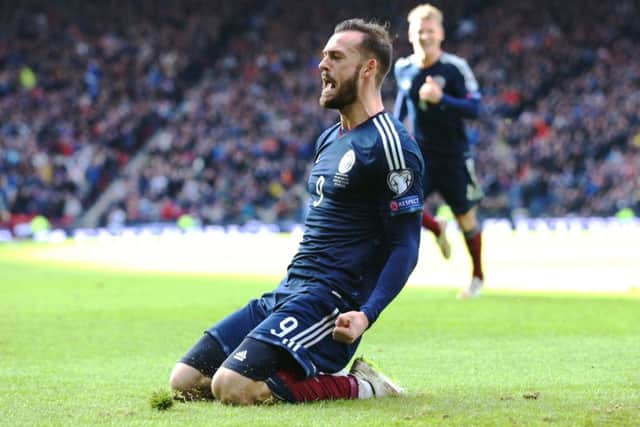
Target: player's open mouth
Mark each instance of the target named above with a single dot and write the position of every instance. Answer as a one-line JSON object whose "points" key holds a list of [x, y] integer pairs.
{"points": [[328, 84]]}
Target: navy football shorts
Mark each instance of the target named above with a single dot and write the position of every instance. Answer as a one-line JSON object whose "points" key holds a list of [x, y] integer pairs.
{"points": [[259, 360], [299, 322], [454, 177]]}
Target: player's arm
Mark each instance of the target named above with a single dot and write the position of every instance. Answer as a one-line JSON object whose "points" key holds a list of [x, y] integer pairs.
{"points": [[465, 97], [467, 107], [404, 236], [462, 94]]}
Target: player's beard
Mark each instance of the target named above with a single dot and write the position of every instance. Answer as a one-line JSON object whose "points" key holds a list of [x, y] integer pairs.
{"points": [[346, 95]]}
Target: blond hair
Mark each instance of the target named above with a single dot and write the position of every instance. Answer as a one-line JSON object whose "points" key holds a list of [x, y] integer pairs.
{"points": [[425, 11]]}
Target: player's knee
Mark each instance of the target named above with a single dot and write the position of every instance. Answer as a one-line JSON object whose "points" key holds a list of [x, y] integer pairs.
{"points": [[184, 378], [467, 221], [231, 388], [225, 389]]}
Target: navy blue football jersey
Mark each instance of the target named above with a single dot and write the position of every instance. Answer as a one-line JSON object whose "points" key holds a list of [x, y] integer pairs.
{"points": [[361, 179], [436, 127]]}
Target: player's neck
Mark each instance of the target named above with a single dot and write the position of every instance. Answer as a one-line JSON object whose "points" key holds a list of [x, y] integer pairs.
{"points": [[360, 111], [427, 59]]}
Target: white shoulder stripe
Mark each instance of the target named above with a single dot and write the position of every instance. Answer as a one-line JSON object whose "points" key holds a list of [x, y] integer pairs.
{"points": [[394, 132], [392, 143], [461, 64], [385, 144]]}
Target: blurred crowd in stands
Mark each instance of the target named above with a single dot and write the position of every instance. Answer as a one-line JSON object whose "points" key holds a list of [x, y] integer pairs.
{"points": [[210, 108]]}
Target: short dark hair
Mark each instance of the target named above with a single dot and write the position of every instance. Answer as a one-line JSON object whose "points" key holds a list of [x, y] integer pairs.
{"points": [[376, 41]]}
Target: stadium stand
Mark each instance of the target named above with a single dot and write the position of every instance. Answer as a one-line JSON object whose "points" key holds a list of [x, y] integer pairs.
{"points": [[218, 103], [83, 86]]}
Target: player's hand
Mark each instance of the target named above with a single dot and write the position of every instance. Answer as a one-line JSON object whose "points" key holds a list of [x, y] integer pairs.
{"points": [[349, 326], [430, 91]]}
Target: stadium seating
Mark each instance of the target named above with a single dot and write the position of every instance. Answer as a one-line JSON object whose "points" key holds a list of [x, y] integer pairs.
{"points": [[220, 106]]}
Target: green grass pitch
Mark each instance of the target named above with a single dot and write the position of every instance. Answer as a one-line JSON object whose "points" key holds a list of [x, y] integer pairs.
{"points": [[89, 347]]}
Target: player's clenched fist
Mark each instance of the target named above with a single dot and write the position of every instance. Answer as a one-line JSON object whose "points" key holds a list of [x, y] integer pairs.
{"points": [[430, 91], [349, 326]]}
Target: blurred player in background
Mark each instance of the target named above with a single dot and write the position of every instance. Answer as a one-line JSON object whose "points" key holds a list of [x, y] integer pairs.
{"points": [[361, 241], [436, 92]]}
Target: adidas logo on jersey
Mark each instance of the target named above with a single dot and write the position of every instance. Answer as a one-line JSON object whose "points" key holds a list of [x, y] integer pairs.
{"points": [[241, 355]]}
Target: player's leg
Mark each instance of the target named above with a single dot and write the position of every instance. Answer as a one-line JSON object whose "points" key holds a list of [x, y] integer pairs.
{"points": [[460, 189], [260, 373], [439, 228], [292, 344], [282, 359], [362, 382], [436, 226], [314, 361], [468, 222], [473, 238], [241, 378], [430, 223], [191, 377]]}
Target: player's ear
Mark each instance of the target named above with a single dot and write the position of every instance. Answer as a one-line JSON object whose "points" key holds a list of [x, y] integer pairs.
{"points": [[370, 67]]}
